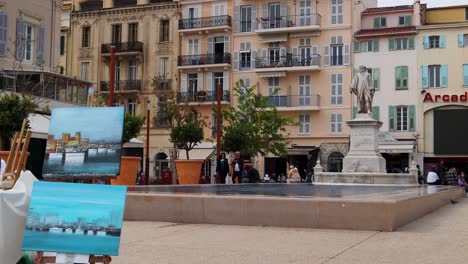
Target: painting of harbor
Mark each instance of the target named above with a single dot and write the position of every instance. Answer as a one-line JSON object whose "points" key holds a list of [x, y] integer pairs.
{"points": [[75, 218], [84, 142]]}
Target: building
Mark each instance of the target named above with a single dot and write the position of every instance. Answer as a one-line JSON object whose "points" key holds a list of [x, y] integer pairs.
{"points": [[442, 45], [384, 42], [146, 52], [65, 40]]}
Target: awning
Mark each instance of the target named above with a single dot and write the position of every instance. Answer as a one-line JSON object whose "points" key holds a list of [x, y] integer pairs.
{"points": [[273, 38], [396, 148], [271, 74], [196, 154], [39, 125]]}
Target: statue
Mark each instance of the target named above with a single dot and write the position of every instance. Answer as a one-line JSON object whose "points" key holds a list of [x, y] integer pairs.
{"points": [[363, 87]]}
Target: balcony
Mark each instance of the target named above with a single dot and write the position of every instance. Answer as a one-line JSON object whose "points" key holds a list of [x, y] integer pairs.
{"points": [[205, 23], [128, 86], [204, 60], [288, 24], [296, 102], [122, 48], [287, 63], [202, 97], [162, 85]]}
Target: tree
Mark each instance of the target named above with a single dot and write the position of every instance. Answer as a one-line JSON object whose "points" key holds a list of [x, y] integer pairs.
{"points": [[255, 127], [13, 110], [132, 126]]}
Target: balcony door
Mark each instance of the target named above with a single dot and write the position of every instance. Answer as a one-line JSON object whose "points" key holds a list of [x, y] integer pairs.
{"points": [[192, 83], [193, 47], [193, 15], [219, 11], [305, 56], [219, 49], [304, 90], [274, 58], [305, 11], [275, 15], [132, 70], [116, 33]]}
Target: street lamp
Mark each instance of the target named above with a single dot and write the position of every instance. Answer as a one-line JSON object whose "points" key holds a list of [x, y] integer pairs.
{"points": [[147, 161]]}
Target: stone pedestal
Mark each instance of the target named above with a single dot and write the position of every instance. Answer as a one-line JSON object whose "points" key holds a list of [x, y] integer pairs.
{"points": [[364, 155]]}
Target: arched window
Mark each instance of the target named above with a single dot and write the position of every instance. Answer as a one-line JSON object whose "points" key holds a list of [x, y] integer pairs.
{"points": [[335, 162]]}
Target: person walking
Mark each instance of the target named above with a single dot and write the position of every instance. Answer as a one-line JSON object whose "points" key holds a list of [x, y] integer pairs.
{"points": [[222, 167], [238, 167]]}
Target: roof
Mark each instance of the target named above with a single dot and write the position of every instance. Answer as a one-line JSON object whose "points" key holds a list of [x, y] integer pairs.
{"points": [[389, 9], [385, 31]]}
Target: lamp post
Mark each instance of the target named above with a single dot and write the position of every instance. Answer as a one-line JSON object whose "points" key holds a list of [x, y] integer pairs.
{"points": [[218, 119], [111, 77], [147, 160]]}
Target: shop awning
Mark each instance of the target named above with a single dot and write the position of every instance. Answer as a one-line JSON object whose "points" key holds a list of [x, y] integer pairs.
{"points": [[271, 74], [196, 154], [273, 38]]}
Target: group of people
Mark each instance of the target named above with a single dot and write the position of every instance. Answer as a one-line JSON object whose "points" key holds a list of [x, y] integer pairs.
{"points": [[234, 170], [441, 175]]}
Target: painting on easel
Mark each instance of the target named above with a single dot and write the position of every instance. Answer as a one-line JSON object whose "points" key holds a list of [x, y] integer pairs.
{"points": [[75, 218], [84, 142]]}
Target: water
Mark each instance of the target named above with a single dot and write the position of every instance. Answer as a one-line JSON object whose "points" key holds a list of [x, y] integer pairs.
{"points": [[70, 243], [107, 164]]}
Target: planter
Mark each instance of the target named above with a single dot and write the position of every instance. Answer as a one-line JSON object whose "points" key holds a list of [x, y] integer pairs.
{"points": [[188, 171], [128, 171]]}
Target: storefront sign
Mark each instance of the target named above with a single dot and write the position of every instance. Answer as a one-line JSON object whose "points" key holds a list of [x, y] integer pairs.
{"points": [[446, 98]]}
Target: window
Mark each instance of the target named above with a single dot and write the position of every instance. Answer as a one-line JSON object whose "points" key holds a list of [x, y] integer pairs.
{"points": [[274, 55], [164, 67], [193, 46], [336, 12], [28, 42], [337, 89], [246, 18], [434, 42], [214, 124], [404, 21], [245, 56], [117, 72], [116, 33], [133, 32], [401, 44], [62, 45], [305, 11], [192, 82], [85, 71], [132, 70], [402, 118], [273, 85], [401, 77], [366, 46], [304, 90], [131, 106], [304, 124], [336, 123], [85, 37], [465, 75], [164, 31], [434, 75], [375, 73], [380, 22], [337, 54], [465, 40]]}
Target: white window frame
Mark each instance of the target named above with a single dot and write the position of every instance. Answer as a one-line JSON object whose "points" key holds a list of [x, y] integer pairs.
{"points": [[273, 84], [366, 46], [304, 90], [304, 125], [404, 119], [164, 67], [336, 93], [130, 106], [84, 71], [193, 46], [332, 54], [29, 42], [245, 24], [434, 41], [336, 6], [132, 70], [401, 44], [434, 71], [336, 123], [195, 80]]}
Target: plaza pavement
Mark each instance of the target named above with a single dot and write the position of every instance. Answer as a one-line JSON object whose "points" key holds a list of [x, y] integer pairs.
{"points": [[440, 237]]}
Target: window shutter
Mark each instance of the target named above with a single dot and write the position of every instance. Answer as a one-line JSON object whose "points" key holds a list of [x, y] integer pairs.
{"points": [[210, 46], [200, 81], [210, 82], [376, 78], [183, 84], [356, 46], [426, 42], [40, 45], [283, 51], [347, 57], [425, 76], [376, 113], [354, 111], [265, 11], [375, 45], [295, 56], [315, 55], [443, 75], [225, 81], [411, 118], [391, 118], [460, 40], [442, 41], [405, 77], [254, 17], [19, 39], [283, 13], [376, 22], [398, 83], [236, 19], [265, 60], [253, 58], [235, 66], [465, 75], [242, 46], [326, 55], [3, 34], [408, 21], [391, 44], [227, 43], [410, 43]]}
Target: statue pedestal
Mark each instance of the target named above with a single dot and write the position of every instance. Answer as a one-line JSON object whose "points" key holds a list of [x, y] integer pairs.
{"points": [[364, 155]]}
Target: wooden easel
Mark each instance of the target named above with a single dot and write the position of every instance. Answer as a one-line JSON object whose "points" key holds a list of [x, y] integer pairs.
{"points": [[93, 259], [16, 162]]}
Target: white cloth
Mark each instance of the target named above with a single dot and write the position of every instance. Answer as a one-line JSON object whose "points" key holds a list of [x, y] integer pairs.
{"points": [[266, 178], [2, 168], [236, 167], [14, 205], [432, 177]]}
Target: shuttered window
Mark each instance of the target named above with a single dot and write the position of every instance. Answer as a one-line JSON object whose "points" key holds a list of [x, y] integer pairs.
{"points": [[401, 77]]}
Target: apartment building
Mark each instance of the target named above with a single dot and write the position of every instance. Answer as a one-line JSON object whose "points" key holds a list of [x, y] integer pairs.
{"points": [[65, 41], [442, 45], [146, 52], [385, 43]]}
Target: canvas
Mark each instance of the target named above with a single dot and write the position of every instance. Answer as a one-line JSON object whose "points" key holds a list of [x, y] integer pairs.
{"points": [[84, 142], [75, 218]]}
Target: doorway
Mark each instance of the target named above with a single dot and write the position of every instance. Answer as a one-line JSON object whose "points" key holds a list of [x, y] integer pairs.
{"points": [[219, 49]]}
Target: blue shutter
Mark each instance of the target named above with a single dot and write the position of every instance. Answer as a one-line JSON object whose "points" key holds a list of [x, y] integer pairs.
{"points": [[3, 34], [376, 113], [460, 40], [465, 75], [40, 45], [442, 41], [426, 42], [19, 39], [391, 118], [443, 75], [425, 76], [354, 112], [391, 44]]}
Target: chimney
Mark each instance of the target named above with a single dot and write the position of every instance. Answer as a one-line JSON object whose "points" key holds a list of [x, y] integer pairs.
{"points": [[416, 13]]}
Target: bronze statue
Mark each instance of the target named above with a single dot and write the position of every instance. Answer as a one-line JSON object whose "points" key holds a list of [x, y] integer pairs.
{"points": [[363, 87]]}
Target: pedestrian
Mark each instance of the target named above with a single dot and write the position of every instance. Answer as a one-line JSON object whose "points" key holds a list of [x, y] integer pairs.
{"points": [[238, 168], [462, 182], [452, 176], [310, 169], [441, 170], [266, 178], [433, 178], [293, 175], [252, 174], [420, 177], [222, 167]]}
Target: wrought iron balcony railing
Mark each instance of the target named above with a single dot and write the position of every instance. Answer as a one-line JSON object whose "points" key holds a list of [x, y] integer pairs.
{"points": [[205, 22], [204, 59], [122, 86], [295, 100], [271, 22], [202, 96], [162, 85], [288, 61], [136, 46]]}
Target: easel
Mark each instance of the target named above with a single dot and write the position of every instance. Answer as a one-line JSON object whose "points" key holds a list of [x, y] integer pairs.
{"points": [[93, 259], [16, 162]]}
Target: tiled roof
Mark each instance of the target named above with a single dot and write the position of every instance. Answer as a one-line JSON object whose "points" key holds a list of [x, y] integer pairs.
{"points": [[385, 31], [390, 9]]}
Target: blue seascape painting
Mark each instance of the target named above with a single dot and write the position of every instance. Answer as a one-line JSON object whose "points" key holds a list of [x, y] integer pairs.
{"points": [[84, 142], [75, 218]]}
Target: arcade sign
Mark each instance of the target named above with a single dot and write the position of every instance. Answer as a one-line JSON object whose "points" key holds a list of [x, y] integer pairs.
{"points": [[445, 98]]}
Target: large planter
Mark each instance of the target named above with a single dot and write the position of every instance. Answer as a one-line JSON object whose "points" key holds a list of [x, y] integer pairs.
{"points": [[128, 171], [188, 171]]}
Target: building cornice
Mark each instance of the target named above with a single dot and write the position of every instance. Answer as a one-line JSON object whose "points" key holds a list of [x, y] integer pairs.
{"points": [[125, 10], [441, 26]]}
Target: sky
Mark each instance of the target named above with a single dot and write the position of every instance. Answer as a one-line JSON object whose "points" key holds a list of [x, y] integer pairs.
{"points": [[93, 122], [430, 3], [72, 200]]}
